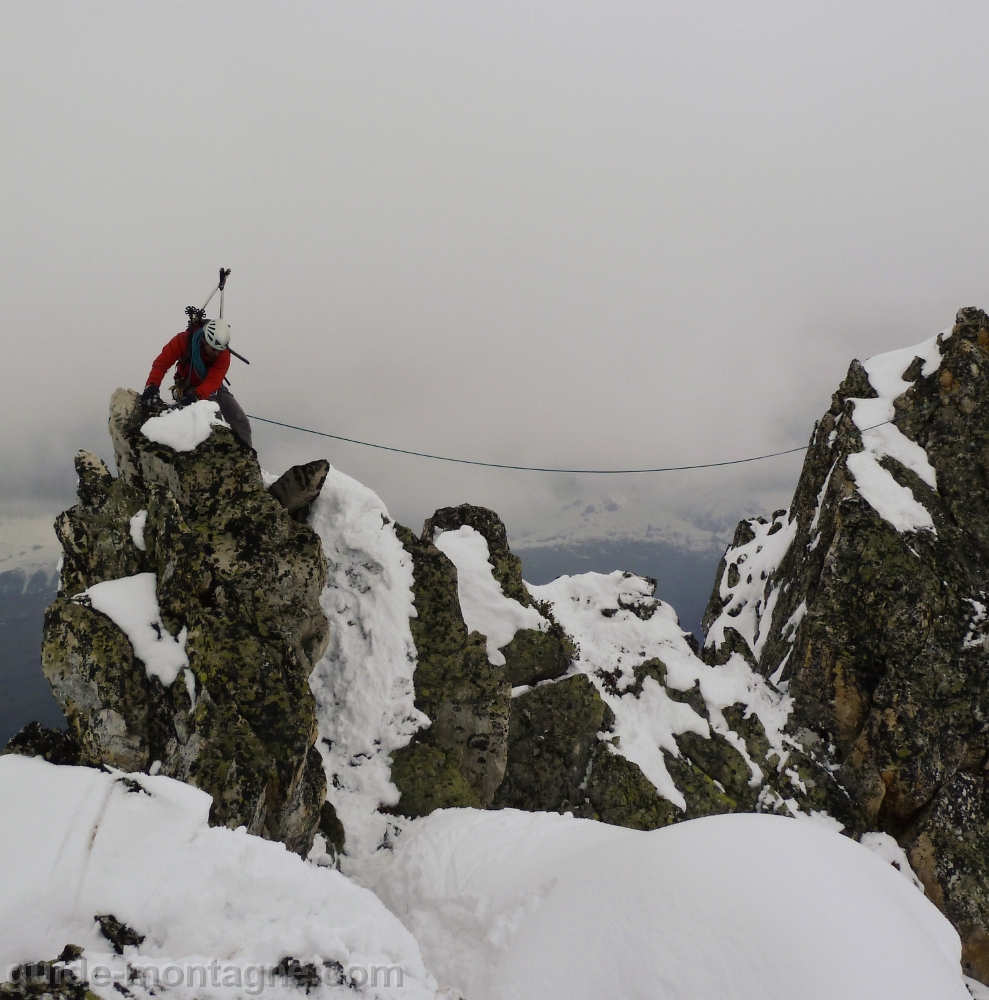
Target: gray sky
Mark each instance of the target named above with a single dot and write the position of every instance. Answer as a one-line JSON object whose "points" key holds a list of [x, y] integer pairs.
{"points": [[551, 233]]}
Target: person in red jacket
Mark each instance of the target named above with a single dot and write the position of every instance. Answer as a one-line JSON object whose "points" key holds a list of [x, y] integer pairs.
{"points": [[201, 360]]}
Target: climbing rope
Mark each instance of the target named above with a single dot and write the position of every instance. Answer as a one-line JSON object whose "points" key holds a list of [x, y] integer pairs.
{"points": [[537, 468]]}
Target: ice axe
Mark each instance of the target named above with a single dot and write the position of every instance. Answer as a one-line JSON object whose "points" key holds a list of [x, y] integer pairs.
{"points": [[196, 316]]}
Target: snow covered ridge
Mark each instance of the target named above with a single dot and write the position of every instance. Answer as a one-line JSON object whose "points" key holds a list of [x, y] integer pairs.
{"points": [[363, 685], [657, 692]]}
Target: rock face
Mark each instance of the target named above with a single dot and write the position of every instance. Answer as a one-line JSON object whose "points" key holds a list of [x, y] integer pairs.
{"points": [[240, 579], [867, 602]]}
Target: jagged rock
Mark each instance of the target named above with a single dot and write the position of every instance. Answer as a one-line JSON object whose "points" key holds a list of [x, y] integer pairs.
{"points": [[534, 656], [331, 828], [876, 619], [117, 933], [50, 744], [507, 568], [947, 846], [243, 578], [531, 656], [297, 488], [460, 758], [90, 665]]}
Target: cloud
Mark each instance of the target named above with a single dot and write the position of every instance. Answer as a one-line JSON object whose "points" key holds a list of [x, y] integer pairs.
{"points": [[563, 234]]}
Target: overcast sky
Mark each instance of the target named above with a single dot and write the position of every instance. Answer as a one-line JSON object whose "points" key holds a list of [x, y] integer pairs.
{"points": [[592, 235]]}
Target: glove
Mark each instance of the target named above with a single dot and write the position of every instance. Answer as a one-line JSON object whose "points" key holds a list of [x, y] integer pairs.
{"points": [[188, 398], [150, 395]]}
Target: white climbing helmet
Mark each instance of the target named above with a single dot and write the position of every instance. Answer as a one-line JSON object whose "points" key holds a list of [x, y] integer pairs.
{"points": [[216, 333]]}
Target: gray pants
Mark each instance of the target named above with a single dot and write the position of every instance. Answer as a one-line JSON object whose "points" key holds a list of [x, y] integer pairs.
{"points": [[234, 415]]}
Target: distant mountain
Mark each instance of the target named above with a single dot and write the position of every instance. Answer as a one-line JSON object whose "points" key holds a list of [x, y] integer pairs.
{"points": [[621, 518], [25, 695], [683, 575]]}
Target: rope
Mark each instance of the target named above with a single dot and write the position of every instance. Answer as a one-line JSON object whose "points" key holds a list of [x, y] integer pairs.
{"points": [[536, 468]]}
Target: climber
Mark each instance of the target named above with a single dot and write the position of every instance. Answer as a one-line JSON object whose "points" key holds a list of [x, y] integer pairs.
{"points": [[201, 356]]}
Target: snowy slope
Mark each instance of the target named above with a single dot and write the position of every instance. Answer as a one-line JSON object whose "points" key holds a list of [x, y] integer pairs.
{"points": [[518, 906], [140, 848]]}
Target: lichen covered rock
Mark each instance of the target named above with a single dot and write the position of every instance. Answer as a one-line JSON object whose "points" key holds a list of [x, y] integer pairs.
{"points": [[866, 602], [460, 758], [239, 579]]}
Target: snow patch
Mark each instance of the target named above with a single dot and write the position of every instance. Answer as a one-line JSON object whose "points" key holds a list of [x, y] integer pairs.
{"points": [[789, 630], [184, 428], [485, 607], [137, 523], [976, 635], [132, 605], [890, 851]]}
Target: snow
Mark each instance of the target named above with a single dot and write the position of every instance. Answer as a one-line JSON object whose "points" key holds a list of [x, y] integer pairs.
{"points": [[896, 504], [184, 428], [748, 606], [886, 847], [137, 523], [365, 698], [816, 520], [612, 646], [511, 905], [976, 635], [141, 848], [132, 605], [792, 623], [485, 607]]}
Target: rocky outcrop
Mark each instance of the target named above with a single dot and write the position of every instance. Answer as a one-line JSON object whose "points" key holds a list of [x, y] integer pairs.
{"points": [[239, 579], [866, 601], [459, 760], [531, 656]]}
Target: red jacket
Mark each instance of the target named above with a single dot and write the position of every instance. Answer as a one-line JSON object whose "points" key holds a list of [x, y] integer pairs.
{"points": [[174, 351]]}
